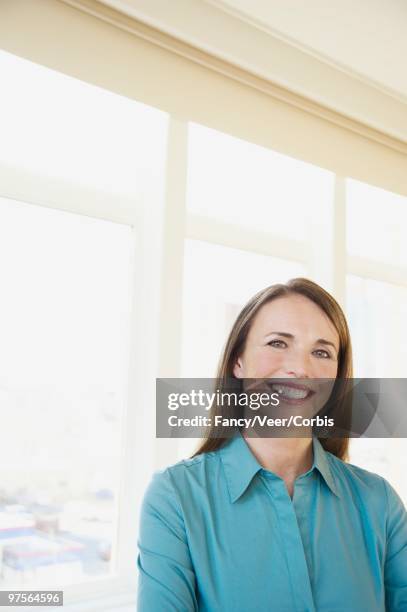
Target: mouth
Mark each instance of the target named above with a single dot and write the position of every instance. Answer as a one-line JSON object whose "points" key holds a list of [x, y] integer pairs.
{"points": [[292, 393]]}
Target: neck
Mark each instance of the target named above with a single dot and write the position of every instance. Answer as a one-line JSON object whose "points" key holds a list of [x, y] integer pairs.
{"points": [[285, 457]]}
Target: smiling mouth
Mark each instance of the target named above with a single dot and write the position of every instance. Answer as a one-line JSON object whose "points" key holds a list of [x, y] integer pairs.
{"points": [[292, 393]]}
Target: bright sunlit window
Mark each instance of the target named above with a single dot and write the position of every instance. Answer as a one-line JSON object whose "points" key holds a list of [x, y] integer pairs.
{"points": [[68, 280], [376, 296], [61, 128], [242, 184], [64, 325], [376, 311], [377, 279], [375, 224]]}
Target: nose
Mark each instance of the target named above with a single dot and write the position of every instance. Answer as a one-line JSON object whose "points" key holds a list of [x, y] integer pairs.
{"points": [[298, 366]]}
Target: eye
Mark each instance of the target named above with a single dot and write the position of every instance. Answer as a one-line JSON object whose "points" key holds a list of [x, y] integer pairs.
{"points": [[277, 343], [323, 354]]}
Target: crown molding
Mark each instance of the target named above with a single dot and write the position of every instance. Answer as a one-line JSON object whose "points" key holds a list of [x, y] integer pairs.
{"points": [[305, 49], [264, 62]]}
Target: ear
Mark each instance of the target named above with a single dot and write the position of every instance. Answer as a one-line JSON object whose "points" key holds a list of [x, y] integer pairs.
{"points": [[238, 368]]}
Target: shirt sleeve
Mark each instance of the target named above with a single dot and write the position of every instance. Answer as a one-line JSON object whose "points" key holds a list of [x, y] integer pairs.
{"points": [[395, 570], [166, 576]]}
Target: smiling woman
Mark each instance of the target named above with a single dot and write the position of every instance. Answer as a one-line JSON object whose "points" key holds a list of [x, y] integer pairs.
{"points": [[275, 523], [312, 343]]}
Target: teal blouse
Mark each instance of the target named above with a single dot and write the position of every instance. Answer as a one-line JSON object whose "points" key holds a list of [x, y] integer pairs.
{"points": [[218, 533]]}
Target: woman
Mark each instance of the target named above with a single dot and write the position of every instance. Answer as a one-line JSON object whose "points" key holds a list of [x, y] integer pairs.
{"points": [[279, 524]]}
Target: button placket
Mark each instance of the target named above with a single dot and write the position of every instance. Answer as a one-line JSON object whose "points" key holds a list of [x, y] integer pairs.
{"points": [[297, 567]]}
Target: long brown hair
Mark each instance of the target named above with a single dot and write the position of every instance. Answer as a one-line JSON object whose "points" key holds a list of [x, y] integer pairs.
{"points": [[235, 344]]}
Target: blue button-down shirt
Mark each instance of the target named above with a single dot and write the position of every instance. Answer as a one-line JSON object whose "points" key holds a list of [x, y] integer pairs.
{"points": [[219, 533]]}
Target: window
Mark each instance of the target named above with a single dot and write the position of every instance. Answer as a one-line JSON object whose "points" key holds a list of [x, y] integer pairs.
{"points": [[64, 324], [63, 129], [376, 294], [241, 184], [376, 311], [375, 222], [81, 197]]}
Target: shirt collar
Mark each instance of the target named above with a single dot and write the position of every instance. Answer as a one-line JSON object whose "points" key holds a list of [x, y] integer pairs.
{"points": [[322, 464], [240, 465]]}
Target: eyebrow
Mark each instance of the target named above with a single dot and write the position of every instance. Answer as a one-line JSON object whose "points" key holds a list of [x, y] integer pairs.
{"points": [[319, 341]]}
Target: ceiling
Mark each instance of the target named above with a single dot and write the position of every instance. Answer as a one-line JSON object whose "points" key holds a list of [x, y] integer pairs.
{"points": [[367, 38]]}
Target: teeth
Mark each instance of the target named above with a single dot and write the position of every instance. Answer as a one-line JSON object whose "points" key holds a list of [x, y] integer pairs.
{"points": [[291, 392]]}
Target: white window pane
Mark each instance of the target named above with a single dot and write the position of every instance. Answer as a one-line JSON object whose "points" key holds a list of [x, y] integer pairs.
{"points": [[237, 182], [376, 221], [60, 127], [376, 315], [64, 328]]}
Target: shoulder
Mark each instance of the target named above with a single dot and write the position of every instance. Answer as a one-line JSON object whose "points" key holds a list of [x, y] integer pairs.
{"points": [[167, 486], [354, 473], [368, 487], [196, 471]]}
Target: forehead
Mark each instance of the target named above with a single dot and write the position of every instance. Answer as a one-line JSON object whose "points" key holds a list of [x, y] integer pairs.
{"points": [[294, 314]]}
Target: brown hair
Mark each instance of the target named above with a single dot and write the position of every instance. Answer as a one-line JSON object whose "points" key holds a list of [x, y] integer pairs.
{"points": [[237, 338]]}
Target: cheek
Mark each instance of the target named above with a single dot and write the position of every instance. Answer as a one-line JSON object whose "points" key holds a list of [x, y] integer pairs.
{"points": [[326, 368], [263, 363]]}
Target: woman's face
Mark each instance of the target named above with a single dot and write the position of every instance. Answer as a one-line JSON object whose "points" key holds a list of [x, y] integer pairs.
{"points": [[290, 337]]}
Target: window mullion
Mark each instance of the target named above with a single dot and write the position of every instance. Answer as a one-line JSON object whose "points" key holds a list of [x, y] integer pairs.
{"points": [[327, 242], [171, 271]]}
